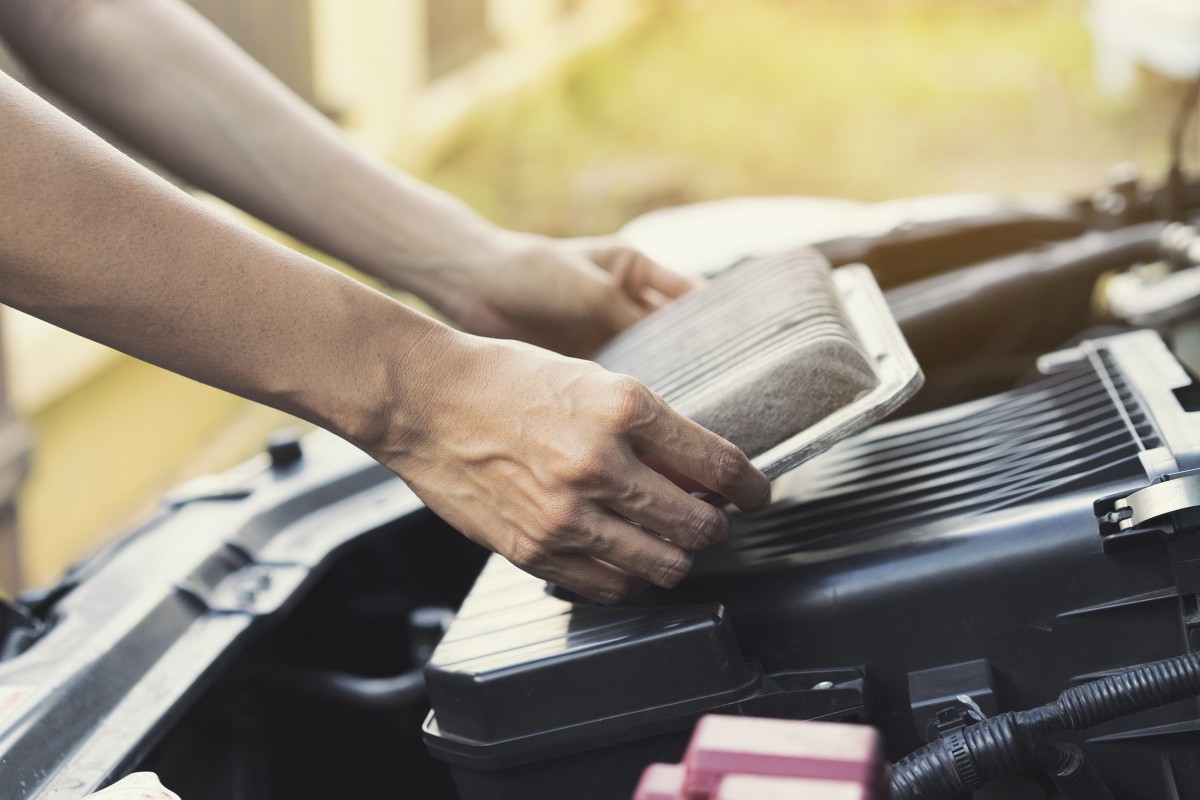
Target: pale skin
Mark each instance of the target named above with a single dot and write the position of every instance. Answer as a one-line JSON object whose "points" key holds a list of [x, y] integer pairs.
{"points": [[550, 461]]}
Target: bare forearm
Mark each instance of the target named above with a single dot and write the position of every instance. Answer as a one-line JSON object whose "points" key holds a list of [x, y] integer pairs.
{"points": [[94, 243], [549, 460], [157, 73], [173, 86]]}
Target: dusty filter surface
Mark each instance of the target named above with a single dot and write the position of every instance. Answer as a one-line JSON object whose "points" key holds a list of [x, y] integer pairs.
{"points": [[780, 355]]}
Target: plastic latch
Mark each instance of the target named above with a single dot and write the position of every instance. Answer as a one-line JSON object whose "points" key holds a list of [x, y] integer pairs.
{"points": [[949, 698]]}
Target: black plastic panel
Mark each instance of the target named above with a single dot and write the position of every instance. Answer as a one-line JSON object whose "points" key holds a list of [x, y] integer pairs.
{"points": [[517, 661]]}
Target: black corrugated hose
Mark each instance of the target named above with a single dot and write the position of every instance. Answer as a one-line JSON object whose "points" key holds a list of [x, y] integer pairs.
{"points": [[1072, 775], [1017, 741]]}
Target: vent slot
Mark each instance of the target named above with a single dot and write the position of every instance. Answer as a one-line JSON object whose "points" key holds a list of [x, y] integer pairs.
{"points": [[1077, 428]]}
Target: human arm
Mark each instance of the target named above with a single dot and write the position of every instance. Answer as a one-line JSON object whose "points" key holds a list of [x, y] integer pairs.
{"points": [[538, 456], [161, 77]]}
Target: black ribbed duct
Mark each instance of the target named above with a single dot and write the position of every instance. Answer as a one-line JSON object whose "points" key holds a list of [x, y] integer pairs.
{"points": [[1051, 437]]}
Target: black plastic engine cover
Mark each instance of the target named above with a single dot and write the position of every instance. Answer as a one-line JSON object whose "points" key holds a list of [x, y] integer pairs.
{"points": [[531, 692], [962, 535]]}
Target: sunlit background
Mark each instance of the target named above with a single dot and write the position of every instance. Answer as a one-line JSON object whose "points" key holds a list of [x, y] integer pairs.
{"points": [[573, 116]]}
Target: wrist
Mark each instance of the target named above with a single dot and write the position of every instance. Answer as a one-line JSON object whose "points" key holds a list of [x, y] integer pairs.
{"points": [[383, 397], [425, 241], [459, 277]]}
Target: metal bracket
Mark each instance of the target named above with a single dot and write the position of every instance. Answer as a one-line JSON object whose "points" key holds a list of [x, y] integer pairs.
{"points": [[1169, 506], [1157, 500], [1162, 512]]}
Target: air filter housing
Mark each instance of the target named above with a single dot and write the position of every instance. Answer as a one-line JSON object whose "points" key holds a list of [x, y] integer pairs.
{"points": [[962, 541]]}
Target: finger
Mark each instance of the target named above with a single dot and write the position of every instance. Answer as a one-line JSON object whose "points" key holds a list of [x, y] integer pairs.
{"points": [[619, 311], [633, 549], [653, 299], [666, 282], [641, 277], [671, 474], [590, 578], [700, 454], [661, 507]]}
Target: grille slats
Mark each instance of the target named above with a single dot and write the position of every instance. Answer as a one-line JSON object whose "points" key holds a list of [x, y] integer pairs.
{"points": [[1039, 432], [1053, 436]]}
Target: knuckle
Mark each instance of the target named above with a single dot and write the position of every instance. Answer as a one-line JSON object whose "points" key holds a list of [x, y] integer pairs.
{"points": [[672, 567], [704, 526], [727, 465], [607, 596], [611, 593], [630, 402], [587, 464], [560, 518], [527, 553]]}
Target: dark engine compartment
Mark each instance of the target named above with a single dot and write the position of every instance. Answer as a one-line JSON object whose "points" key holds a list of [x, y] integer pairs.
{"points": [[942, 566], [953, 553], [272, 728]]}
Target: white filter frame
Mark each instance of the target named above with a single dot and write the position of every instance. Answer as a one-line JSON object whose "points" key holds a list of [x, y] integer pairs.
{"points": [[899, 375]]}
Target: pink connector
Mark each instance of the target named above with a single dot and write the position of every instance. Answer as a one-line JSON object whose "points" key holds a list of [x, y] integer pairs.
{"points": [[783, 748], [756, 787], [661, 782]]}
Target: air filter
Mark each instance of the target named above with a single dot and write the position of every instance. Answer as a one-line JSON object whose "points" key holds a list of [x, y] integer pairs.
{"points": [[780, 355]]}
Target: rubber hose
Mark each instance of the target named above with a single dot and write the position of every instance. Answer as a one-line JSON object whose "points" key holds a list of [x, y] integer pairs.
{"points": [[964, 760], [1129, 692], [1072, 775], [1008, 743]]}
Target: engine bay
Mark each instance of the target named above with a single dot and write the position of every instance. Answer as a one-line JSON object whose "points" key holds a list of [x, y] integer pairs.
{"points": [[303, 627]]}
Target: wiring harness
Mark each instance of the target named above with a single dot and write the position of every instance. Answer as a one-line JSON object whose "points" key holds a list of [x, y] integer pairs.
{"points": [[968, 759]]}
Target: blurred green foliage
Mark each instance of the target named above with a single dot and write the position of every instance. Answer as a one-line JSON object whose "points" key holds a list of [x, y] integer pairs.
{"points": [[867, 99]]}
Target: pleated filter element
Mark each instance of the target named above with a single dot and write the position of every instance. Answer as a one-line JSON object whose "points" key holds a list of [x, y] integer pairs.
{"points": [[780, 355]]}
